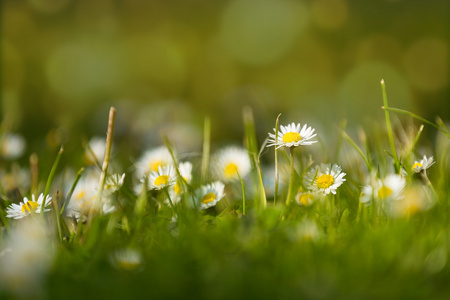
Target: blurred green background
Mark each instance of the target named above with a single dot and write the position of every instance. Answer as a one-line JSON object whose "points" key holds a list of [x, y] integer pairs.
{"points": [[167, 64]]}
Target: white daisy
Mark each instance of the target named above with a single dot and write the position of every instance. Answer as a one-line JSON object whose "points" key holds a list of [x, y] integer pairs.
{"points": [[31, 254], [176, 190], [84, 196], [208, 195], [164, 177], [325, 179], [18, 211], [151, 160], [414, 201], [229, 161], [292, 136], [126, 259], [96, 150], [114, 182], [305, 198], [423, 164], [390, 188]]}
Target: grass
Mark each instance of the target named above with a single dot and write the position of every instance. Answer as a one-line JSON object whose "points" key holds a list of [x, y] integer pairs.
{"points": [[248, 246]]}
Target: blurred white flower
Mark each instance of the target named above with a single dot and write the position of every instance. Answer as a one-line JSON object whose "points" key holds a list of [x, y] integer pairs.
{"points": [[114, 182], [229, 161], [96, 150], [12, 146], [126, 259], [390, 188], [305, 198], [151, 160], [414, 200], [306, 230], [176, 190], [85, 194], [27, 258], [208, 195]]}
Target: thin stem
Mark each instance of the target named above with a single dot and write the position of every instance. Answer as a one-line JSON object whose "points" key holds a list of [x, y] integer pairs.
{"points": [[109, 139], [389, 127], [72, 188], [405, 112], [166, 191], [277, 175], [292, 170], [243, 193], [34, 174], [349, 139], [206, 148], [50, 179]]}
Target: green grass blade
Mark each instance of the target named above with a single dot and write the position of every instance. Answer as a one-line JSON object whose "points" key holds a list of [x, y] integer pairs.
{"points": [[405, 112], [389, 127], [72, 188], [277, 174], [206, 149]]}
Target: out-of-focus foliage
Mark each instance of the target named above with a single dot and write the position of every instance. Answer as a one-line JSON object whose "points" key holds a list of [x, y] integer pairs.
{"points": [[166, 64]]}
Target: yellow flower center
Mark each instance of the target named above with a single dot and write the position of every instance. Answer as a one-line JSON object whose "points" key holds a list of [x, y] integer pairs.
{"points": [[417, 165], [208, 198], [291, 137], [384, 192], [80, 194], [153, 165], [230, 170], [306, 198], [324, 181], [126, 265], [177, 187], [161, 180], [29, 206]]}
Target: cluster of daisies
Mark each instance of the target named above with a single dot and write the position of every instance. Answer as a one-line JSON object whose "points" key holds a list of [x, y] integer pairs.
{"points": [[156, 170]]}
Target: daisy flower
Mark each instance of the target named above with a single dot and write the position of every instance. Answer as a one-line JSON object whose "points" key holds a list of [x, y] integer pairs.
{"points": [[325, 179], [208, 195], [414, 201], [423, 164], [152, 160], [305, 198], [114, 182], [84, 197], [175, 192], [390, 188], [31, 254], [126, 259], [18, 211], [95, 151], [164, 177], [292, 136], [229, 161]]}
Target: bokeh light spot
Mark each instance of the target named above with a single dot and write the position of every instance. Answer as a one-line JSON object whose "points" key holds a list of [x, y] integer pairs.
{"points": [[260, 32], [360, 92], [329, 14], [426, 64]]}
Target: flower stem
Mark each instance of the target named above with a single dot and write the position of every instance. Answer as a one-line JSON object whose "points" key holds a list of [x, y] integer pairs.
{"points": [[243, 193], [291, 181], [276, 161]]}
